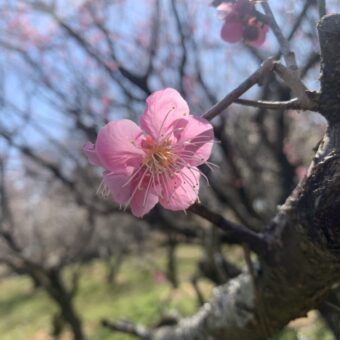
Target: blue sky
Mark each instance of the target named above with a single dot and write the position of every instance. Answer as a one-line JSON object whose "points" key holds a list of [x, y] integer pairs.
{"points": [[224, 66]]}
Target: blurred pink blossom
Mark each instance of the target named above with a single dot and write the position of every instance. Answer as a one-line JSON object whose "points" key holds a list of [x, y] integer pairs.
{"points": [[159, 277], [255, 32], [156, 162], [240, 23]]}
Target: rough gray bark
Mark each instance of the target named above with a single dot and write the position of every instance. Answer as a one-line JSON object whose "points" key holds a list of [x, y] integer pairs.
{"points": [[303, 258]]}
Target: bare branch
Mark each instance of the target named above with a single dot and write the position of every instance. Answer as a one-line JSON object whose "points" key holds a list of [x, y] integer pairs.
{"points": [[183, 59], [127, 328], [236, 233], [322, 8], [154, 38], [253, 79], [296, 85], [288, 55], [274, 105]]}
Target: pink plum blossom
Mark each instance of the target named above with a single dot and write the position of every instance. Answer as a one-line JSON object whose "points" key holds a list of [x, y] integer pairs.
{"points": [[157, 161], [255, 32], [241, 24], [159, 277]]}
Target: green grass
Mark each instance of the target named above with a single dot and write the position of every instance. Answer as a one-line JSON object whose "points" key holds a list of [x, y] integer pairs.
{"points": [[25, 314], [22, 311]]}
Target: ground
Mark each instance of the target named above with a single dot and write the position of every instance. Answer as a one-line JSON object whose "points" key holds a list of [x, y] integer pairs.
{"points": [[140, 294]]}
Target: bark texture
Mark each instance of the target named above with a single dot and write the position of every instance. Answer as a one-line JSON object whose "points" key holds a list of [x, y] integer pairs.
{"points": [[329, 34], [302, 261]]}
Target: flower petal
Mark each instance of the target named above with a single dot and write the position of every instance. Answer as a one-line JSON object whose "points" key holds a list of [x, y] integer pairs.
{"points": [[163, 107], [143, 202], [117, 145], [90, 152], [232, 31], [181, 191], [123, 190], [223, 9], [195, 140], [116, 183], [261, 37]]}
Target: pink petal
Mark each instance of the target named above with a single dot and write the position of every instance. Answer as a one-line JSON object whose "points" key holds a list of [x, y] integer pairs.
{"points": [[195, 141], [123, 189], [163, 107], [261, 37], [143, 202], [117, 145], [120, 191], [232, 30], [90, 152], [223, 10], [224, 7], [181, 191]]}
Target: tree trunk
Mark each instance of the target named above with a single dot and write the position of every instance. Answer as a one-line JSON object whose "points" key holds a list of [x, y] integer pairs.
{"points": [[64, 299], [171, 271], [113, 263]]}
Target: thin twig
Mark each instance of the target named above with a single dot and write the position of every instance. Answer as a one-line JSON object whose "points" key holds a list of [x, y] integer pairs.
{"points": [[289, 104], [236, 233], [155, 32], [322, 8], [253, 79], [299, 19], [288, 55]]}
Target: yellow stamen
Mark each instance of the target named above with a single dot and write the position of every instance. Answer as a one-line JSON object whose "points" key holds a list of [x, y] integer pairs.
{"points": [[159, 158]]}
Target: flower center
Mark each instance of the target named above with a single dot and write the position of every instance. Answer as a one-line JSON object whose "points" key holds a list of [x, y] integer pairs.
{"points": [[159, 157]]}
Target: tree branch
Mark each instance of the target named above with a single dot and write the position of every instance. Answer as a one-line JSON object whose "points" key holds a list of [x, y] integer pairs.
{"points": [[288, 55], [253, 79], [296, 85], [127, 328], [273, 105], [234, 232]]}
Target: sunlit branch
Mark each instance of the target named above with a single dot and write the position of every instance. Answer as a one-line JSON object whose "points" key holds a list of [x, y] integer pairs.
{"points": [[126, 327], [275, 105]]}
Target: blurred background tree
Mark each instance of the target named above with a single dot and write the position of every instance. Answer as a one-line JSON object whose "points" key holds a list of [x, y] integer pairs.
{"points": [[67, 68]]}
